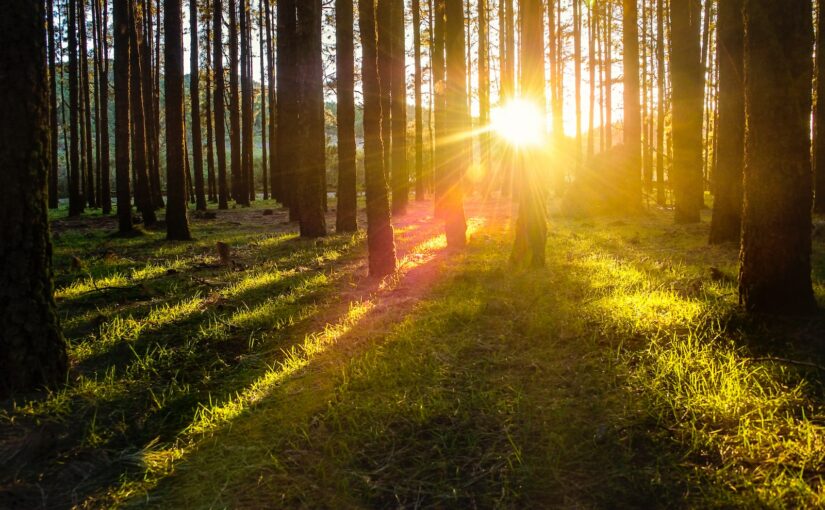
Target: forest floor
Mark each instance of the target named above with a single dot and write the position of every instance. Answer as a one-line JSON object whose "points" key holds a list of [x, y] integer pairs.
{"points": [[621, 375]]}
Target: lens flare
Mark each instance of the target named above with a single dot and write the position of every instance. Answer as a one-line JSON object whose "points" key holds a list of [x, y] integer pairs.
{"points": [[519, 122]]}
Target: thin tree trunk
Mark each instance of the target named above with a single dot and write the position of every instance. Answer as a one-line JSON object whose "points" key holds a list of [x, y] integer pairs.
{"points": [[274, 169], [53, 198], [383, 12], [311, 161], [727, 202], [220, 134], [264, 155], [76, 203], [120, 20], [591, 67], [211, 182], [531, 225], [152, 149], [661, 106], [89, 181], [686, 72], [379, 225], [195, 101], [32, 349], [287, 103], [456, 123], [484, 90], [632, 115], [177, 223], [346, 214], [246, 182], [419, 111], [577, 68], [441, 154], [143, 196], [819, 114], [238, 193]]}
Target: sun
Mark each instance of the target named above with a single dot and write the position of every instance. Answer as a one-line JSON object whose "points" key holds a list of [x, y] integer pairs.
{"points": [[519, 122]]}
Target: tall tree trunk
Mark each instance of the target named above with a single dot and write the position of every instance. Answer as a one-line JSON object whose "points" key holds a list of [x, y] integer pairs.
{"points": [[32, 349], [152, 149], [195, 100], [105, 197], [211, 182], [89, 182], [177, 223], [819, 114], [143, 196], [380, 240], [456, 124], [484, 90], [220, 134], [383, 12], [531, 225], [346, 213], [688, 94], [661, 106], [238, 193], [591, 67], [264, 155], [608, 74], [419, 109], [577, 69], [76, 204], [440, 151], [246, 182], [632, 116], [288, 92], [121, 22], [53, 197], [398, 84], [311, 156], [555, 73], [775, 271], [274, 169], [727, 201]]}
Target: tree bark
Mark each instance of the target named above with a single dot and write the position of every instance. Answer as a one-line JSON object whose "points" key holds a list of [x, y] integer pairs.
{"points": [[220, 134], [238, 194], [195, 101], [400, 173], [32, 349], [661, 106], [247, 182], [775, 270], [177, 223], [688, 94], [531, 225], [53, 197], [456, 124], [211, 181], [346, 219], [75, 195], [311, 159], [632, 198], [120, 20], [419, 110], [819, 115], [380, 240], [727, 179], [287, 104], [143, 195], [274, 169]]}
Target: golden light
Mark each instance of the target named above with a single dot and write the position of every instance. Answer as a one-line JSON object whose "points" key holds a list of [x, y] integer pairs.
{"points": [[519, 122]]}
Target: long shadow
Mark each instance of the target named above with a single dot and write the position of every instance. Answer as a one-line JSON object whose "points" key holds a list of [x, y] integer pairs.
{"points": [[147, 390], [554, 441]]}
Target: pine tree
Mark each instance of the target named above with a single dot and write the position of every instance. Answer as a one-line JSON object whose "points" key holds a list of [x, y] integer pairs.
{"points": [[220, 134], [398, 83], [177, 223], [120, 20], [32, 349], [632, 117], [380, 240], [457, 123], [775, 270], [195, 101], [727, 201], [346, 214]]}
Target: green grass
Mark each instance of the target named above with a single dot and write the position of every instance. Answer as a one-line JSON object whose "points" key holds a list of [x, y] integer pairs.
{"points": [[621, 375]]}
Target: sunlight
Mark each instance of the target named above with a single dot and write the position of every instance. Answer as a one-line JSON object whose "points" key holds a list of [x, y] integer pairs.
{"points": [[519, 122]]}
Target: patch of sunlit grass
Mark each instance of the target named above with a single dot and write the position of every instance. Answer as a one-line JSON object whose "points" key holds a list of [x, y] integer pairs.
{"points": [[119, 280]]}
